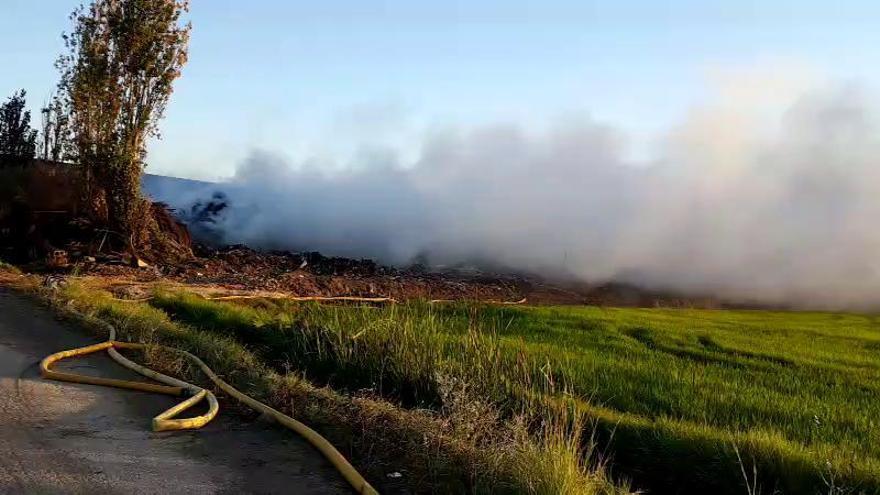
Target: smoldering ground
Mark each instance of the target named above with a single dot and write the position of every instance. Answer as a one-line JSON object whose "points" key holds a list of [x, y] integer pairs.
{"points": [[776, 202]]}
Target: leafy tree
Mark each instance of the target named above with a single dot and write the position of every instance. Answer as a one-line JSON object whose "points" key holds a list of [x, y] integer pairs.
{"points": [[17, 139], [55, 144], [117, 76]]}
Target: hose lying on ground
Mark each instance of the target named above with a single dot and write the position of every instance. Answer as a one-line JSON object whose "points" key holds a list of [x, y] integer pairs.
{"points": [[165, 421]]}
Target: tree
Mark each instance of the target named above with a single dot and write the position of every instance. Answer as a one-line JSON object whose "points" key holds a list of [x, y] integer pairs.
{"points": [[117, 76], [17, 139], [55, 144]]}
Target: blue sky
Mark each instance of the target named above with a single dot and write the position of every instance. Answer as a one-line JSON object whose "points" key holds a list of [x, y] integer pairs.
{"points": [[326, 79]]}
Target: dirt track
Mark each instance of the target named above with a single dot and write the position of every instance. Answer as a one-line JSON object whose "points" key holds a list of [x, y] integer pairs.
{"points": [[66, 438]]}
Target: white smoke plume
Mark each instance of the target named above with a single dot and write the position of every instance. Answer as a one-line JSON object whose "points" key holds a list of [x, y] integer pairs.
{"points": [[750, 198]]}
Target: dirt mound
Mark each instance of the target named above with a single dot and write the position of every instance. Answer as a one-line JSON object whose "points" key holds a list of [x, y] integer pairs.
{"points": [[168, 225], [167, 241]]}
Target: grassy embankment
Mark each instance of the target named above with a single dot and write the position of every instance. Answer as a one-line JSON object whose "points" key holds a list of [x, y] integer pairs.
{"points": [[676, 397], [467, 445]]}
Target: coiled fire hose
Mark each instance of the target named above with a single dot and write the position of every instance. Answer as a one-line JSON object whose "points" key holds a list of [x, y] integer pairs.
{"points": [[166, 421]]}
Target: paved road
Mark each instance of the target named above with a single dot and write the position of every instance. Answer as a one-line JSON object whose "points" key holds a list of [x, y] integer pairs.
{"points": [[68, 438]]}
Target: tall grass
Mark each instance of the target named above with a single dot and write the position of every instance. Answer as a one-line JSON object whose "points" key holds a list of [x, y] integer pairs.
{"points": [[399, 352], [677, 396], [461, 443]]}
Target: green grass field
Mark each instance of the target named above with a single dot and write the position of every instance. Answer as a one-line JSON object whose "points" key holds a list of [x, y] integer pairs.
{"points": [[677, 401], [797, 392], [680, 399]]}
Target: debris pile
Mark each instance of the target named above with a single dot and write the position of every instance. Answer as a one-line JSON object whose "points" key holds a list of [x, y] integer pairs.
{"points": [[313, 274]]}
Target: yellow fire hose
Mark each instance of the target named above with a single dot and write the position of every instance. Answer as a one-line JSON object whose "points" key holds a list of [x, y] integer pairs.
{"points": [[172, 386]]}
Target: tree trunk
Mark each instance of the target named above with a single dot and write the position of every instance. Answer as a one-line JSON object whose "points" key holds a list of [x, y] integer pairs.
{"points": [[127, 211]]}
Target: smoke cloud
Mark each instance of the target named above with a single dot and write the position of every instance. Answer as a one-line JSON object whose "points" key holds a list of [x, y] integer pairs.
{"points": [[751, 197]]}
